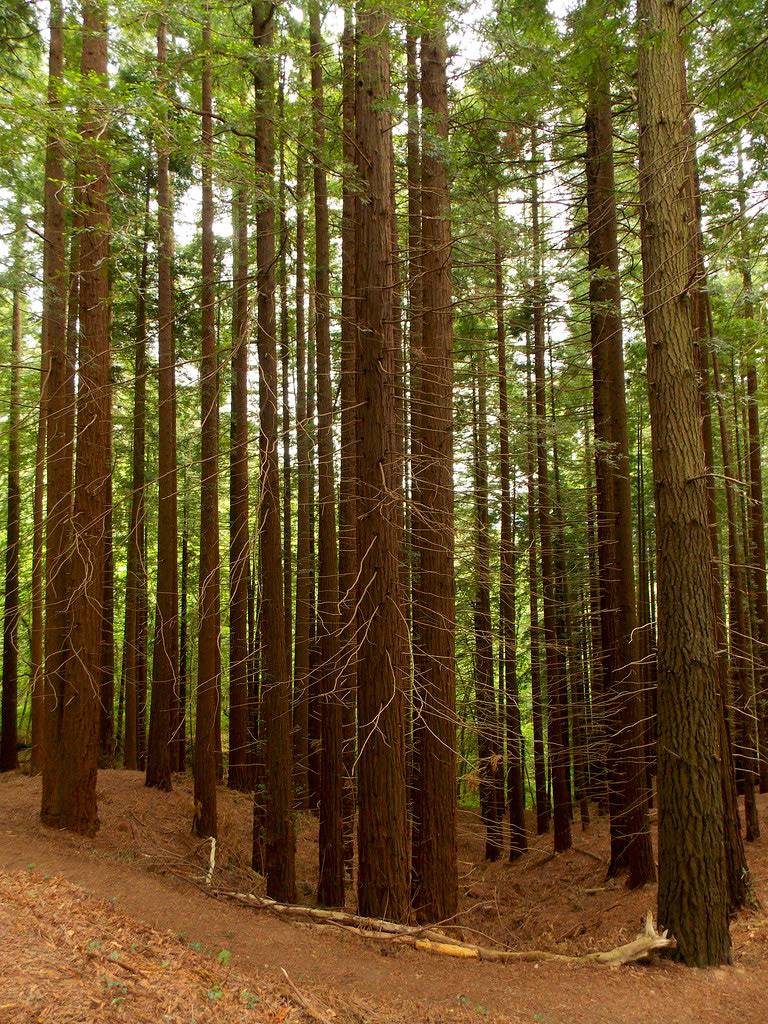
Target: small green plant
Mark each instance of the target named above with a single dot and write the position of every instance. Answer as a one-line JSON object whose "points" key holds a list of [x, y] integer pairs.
{"points": [[251, 1001], [224, 956], [214, 994], [197, 946]]}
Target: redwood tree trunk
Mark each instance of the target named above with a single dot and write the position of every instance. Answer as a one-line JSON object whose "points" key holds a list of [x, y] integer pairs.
{"points": [[507, 570], [58, 447], [239, 774], [382, 823], [275, 701], [330, 890], [74, 805], [135, 586], [348, 460], [165, 659], [630, 835], [555, 667], [303, 524], [537, 707], [693, 899], [208, 654], [435, 873], [11, 610]]}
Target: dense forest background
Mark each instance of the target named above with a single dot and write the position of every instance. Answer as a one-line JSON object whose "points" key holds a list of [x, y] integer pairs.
{"points": [[383, 392]]}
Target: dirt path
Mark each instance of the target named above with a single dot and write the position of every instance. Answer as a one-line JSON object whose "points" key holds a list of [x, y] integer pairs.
{"points": [[415, 985]]}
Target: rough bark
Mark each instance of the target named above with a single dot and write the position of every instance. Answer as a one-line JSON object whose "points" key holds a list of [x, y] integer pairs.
{"points": [[693, 898], [74, 801], [382, 823], [208, 629], [275, 689], [435, 873], [630, 835]]}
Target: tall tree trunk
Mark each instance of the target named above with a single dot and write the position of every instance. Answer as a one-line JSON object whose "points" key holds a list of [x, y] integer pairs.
{"points": [[107, 672], [285, 376], [11, 610], [330, 889], [507, 570], [488, 744], [382, 822], [348, 460], [135, 586], [183, 632], [737, 872], [275, 702], [303, 523], [630, 835], [165, 659], [239, 774], [757, 560], [537, 707], [74, 805], [693, 898], [208, 629], [58, 454], [740, 631], [53, 316], [555, 668], [435, 888]]}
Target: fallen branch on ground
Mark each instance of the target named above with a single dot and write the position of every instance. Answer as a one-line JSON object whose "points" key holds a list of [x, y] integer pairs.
{"points": [[431, 941]]}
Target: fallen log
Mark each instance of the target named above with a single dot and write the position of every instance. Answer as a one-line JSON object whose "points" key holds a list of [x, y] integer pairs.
{"points": [[428, 940]]}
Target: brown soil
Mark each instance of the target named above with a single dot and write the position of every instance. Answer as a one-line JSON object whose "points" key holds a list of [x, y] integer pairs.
{"points": [[146, 862]]}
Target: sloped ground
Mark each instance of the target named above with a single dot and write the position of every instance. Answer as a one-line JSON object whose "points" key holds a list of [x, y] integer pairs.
{"points": [[139, 884], [68, 957]]}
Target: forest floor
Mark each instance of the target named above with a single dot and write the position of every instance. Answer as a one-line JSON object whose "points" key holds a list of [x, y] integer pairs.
{"points": [[120, 928]]}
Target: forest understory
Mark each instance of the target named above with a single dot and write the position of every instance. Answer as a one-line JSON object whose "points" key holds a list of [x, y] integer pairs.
{"points": [[73, 909]]}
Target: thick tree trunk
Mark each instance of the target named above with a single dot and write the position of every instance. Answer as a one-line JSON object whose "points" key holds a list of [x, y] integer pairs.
{"points": [[435, 873], [382, 823], [693, 898], [209, 627], [275, 702], [74, 804], [165, 659]]}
